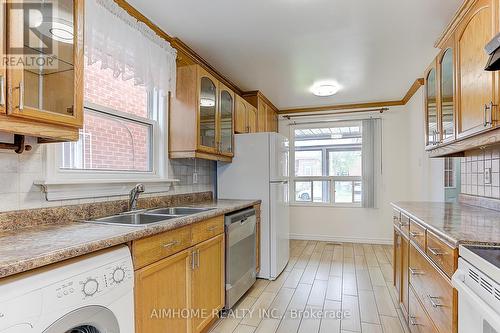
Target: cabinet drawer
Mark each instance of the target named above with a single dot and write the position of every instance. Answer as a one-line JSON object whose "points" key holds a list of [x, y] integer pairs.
{"points": [[419, 321], [433, 289], [151, 249], [417, 234], [207, 229], [404, 224], [441, 253]]}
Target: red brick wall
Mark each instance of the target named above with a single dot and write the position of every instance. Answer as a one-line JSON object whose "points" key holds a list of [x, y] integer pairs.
{"points": [[112, 143]]}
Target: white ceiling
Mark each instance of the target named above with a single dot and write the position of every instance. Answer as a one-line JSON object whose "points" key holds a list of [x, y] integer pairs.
{"points": [[374, 49]]}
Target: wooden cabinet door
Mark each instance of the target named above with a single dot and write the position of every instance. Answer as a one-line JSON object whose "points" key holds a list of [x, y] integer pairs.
{"points": [[431, 110], [48, 85], [252, 118], [272, 121], [207, 285], [3, 79], [404, 275], [397, 261], [475, 86], [208, 105], [225, 120], [163, 286], [446, 91], [241, 116]]}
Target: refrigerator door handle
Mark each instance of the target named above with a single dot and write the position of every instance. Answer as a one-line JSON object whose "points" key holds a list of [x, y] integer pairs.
{"points": [[279, 182]]}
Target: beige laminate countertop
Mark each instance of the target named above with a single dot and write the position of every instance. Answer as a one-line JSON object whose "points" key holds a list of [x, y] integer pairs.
{"points": [[25, 249], [454, 222]]}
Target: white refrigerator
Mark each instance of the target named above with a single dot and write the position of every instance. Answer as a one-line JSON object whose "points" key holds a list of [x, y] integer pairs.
{"points": [[259, 170]]}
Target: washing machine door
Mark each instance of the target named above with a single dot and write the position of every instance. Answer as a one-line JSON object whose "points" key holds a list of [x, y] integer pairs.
{"points": [[89, 319]]}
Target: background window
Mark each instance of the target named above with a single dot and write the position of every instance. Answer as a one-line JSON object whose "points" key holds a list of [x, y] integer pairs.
{"points": [[328, 163], [120, 119]]}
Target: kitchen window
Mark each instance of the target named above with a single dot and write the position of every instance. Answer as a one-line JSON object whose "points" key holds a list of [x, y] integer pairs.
{"points": [[329, 162], [128, 72]]}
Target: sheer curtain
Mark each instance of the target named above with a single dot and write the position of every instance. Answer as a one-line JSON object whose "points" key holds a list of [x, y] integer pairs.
{"points": [[368, 151], [129, 47]]}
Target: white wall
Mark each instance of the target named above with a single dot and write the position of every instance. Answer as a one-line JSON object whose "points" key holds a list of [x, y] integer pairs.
{"points": [[406, 174]]}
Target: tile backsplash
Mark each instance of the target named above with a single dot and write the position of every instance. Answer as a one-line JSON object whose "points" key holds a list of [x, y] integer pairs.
{"points": [[474, 180], [19, 171]]}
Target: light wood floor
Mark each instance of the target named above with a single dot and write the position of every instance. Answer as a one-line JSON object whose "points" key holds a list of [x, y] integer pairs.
{"points": [[328, 277]]}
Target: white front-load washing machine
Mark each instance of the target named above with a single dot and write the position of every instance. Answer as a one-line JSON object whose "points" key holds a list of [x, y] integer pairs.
{"points": [[89, 294]]}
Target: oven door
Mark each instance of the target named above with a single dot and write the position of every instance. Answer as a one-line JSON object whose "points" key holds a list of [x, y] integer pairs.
{"points": [[474, 314]]}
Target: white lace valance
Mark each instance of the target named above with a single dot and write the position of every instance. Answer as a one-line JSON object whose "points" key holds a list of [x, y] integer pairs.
{"points": [[129, 47]]}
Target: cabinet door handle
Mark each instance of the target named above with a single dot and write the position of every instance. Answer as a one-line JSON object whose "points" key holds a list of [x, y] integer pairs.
{"points": [[198, 258], [170, 244], [414, 272], [488, 113], [193, 260], [433, 303], [2, 90], [434, 252], [21, 96], [212, 228]]}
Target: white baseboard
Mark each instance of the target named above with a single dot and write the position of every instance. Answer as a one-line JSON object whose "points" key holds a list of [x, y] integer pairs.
{"points": [[323, 238]]}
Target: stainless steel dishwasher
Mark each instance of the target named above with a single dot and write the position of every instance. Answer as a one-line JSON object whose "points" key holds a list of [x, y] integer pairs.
{"points": [[240, 228]]}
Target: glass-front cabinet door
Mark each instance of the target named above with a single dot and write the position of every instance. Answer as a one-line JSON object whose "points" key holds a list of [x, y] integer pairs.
{"points": [[3, 80], [208, 103], [447, 98], [46, 38], [226, 115], [431, 116]]}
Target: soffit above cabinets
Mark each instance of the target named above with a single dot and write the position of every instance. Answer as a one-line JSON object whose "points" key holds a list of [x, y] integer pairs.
{"points": [[373, 49]]}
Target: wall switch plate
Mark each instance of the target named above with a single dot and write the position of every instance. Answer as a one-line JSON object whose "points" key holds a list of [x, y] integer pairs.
{"points": [[487, 175], [195, 178]]}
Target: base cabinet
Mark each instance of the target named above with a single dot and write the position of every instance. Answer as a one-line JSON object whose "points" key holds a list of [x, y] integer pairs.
{"points": [[181, 292], [207, 285], [162, 291], [426, 296]]}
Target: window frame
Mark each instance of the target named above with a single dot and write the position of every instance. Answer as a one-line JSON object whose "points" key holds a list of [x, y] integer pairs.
{"points": [[325, 167], [158, 109], [450, 162]]}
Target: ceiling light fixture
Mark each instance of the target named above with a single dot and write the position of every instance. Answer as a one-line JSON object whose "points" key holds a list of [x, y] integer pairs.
{"points": [[324, 89]]}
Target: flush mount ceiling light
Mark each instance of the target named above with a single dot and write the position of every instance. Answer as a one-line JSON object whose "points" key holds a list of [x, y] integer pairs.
{"points": [[207, 102], [324, 89]]}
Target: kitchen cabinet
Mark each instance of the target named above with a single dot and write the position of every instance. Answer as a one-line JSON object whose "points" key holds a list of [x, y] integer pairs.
{"points": [[180, 270], [423, 265], [41, 90], [163, 285], [267, 113], [201, 116], [476, 96], [207, 286], [245, 117]]}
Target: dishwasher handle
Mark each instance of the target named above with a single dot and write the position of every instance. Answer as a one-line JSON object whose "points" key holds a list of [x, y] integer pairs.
{"points": [[240, 216]]}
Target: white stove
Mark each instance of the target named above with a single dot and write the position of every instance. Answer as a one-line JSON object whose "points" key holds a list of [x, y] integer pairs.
{"points": [[477, 281]]}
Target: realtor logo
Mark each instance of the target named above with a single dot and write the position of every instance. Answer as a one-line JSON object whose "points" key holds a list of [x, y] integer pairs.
{"points": [[31, 35]]}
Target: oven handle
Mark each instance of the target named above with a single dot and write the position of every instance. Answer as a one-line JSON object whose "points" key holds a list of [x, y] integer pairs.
{"points": [[464, 291]]}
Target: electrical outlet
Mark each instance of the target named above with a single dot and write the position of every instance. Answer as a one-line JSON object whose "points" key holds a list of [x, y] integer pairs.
{"points": [[195, 178], [487, 175]]}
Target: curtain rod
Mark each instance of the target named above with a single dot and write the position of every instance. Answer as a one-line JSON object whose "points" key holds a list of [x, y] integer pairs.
{"points": [[380, 110]]}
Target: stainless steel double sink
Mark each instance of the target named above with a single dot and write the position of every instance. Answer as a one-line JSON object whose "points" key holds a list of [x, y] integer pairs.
{"points": [[149, 216]]}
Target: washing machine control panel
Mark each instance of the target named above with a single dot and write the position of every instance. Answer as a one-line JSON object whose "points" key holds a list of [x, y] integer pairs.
{"points": [[97, 282]]}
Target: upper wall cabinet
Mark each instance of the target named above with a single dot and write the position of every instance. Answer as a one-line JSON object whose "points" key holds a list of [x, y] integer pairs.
{"points": [[267, 113], [201, 116], [467, 95], [245, 117], [42, 88], [476, 87]]}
